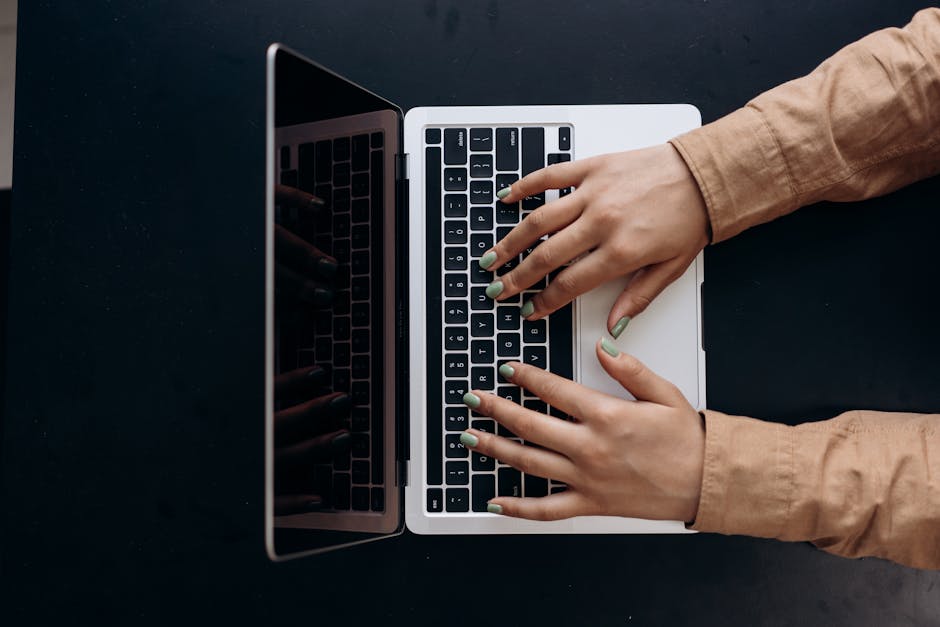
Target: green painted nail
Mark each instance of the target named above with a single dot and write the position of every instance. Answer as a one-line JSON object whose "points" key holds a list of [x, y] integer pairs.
{"points": [[468, 439], [494, 508], [506, 371], [471, 400], [504, 192], [527, 309], [494, 289], [620, 326], [487, 260], [607, 346]]}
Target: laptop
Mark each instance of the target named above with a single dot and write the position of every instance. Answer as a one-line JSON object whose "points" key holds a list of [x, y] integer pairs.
{"points": [[377, 321]]}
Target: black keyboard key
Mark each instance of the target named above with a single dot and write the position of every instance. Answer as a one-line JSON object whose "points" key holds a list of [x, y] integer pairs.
{"points": [[481, 166], [455, 232], [561, 342], [341, 250], [482, 463], [360, 288], [360, 340], [484, 489], [455, 258], [360, 236], [360, 393], [482, 352], [455, 365], [432, 136], [324, 161], [360, 367], [482, 378], [340, 200], [486, 426], [558, 157], [377, 139], [534, 331], [341, 488], [564, 191], [341, 375], [481, 192], [530, 203], [455, 312], [481, 218], [360, 471], [507, 344], [458, 500], [305, 166], [479, 276], [341, 225], [457, 473], [435, 500], [510, 482], [454, 391], [359, 445], [360, 184], [479, 301], [360, 153], [455, 146], [505, 180], [360, 210], [481, 139], [481, 325], [534, 355], [536, 486], [507, 318], [455, 179], [341, 149], [289, 178], [455, 205], [360, 314], [378, 500], [360, 262], [507, 214], [341, 328], [479, 244], [324, 191], [455, 418], [507, 149], [564, 138], [535, 405], [510, 393], [453, 449], [341, 174], [533, 149], [455, 284], [558, 488]]}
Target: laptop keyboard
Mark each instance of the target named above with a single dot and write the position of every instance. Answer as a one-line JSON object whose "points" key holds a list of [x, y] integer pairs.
{"points": [[347, 173], [464, 168]]}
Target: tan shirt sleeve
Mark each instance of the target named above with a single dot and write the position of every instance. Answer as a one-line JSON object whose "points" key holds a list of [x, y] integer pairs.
{"points": [[864, 123], [862, 484]]}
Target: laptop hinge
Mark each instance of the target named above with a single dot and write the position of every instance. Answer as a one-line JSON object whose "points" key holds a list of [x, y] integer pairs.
{"points": [[402, 478], [401, 166]]}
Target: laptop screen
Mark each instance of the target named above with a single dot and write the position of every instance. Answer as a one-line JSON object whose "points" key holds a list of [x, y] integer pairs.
{"points": [[330, 432]]}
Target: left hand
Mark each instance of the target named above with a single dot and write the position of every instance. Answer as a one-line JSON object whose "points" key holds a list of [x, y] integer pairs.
{"points": [[638, 458]]}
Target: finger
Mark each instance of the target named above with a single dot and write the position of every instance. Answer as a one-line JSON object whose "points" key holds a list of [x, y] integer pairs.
{"points": [[633, 375], [298, 381], [582, 276], [302, 255], [311, 418], [292, 197], [297, 504], [532, 426], [546, 219], [572, 398], [292, 286], [556, 176], [318, 450], [553, 253], [565, 504], [645, 286], [526, 459]]}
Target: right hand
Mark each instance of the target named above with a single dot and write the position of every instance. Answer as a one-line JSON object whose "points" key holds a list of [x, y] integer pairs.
{"points": [[638, 212]]}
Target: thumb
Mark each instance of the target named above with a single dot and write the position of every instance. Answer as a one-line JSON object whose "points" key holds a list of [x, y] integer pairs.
{"points": [[635, 377], [645, 286]]}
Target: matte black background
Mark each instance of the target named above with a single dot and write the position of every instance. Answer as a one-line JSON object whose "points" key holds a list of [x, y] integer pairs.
{"points": [[132, 438]]}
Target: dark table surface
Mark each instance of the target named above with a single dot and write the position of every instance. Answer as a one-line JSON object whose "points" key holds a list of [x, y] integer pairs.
{"points": [[132, 456]]}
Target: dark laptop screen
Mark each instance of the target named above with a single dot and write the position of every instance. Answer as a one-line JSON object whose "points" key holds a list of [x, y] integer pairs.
{"points": [[331, 441]]}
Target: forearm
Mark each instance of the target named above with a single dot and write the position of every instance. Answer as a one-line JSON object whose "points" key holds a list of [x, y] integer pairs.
{"points": [[862, 484], [865, 122]]}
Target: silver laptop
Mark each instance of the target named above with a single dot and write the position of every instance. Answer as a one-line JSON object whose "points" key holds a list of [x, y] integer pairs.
{"points": [[376, 318]]}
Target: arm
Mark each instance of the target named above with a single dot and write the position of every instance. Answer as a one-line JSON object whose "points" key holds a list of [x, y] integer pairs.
{"points": [[863, 483], [864, 123]]}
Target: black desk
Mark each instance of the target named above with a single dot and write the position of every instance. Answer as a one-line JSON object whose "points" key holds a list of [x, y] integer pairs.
{"points": [[132, 436]]}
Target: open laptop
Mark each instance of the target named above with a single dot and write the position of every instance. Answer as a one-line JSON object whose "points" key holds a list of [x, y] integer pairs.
{"points": [[377, 321]]}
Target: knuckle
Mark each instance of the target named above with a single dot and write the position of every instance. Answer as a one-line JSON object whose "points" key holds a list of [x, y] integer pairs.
{"points": [[632, 366], [537, 219], [525, 460], [523, 426], [545, 256], [566, 283]]}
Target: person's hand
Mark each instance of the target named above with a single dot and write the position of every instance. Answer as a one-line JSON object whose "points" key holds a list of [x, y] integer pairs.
{"points": [[638, 458], [632, 212]]}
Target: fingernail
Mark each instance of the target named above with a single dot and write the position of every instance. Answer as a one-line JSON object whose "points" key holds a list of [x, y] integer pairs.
{"points": [[322, 297], [341, 405], [316, 203], [504, 192], [327, 267], [468, 439], [506, 371], [608, 347], [317, 375], [527, 309], [620, 326], [340, 444], [487, 260], [494, 289], [494, 508], [471, 400]]}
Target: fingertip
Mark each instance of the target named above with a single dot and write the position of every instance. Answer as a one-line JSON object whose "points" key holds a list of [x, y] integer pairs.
{"points": [[606, 346], [494, 508], [505, 194]]}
